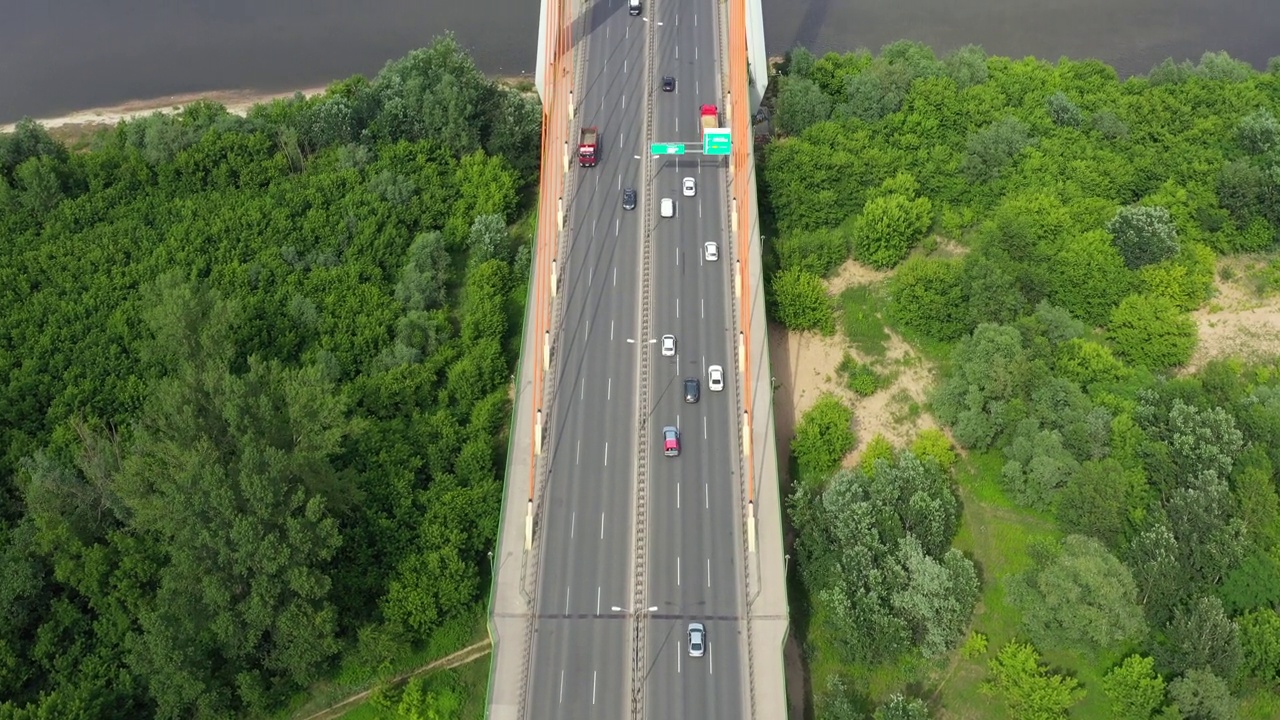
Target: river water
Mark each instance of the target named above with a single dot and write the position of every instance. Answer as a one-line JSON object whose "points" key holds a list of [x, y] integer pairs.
{"points": [[62, 55]]}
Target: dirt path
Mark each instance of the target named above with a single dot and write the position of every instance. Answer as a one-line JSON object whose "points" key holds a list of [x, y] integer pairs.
{"points": [[462, 657]]}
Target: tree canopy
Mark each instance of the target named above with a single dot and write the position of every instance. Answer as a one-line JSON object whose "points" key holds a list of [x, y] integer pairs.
{"points": [[256, 388]]}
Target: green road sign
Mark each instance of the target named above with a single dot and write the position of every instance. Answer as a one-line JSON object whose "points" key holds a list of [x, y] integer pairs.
{"points": [[715, 142], [667, 148]]}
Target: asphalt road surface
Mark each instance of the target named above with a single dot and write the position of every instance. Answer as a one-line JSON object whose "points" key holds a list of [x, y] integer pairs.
{"points": [[581, 664], [695, 534]]}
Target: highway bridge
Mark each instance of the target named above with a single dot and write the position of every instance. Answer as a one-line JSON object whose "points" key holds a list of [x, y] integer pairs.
{"points": [[609, 549]]}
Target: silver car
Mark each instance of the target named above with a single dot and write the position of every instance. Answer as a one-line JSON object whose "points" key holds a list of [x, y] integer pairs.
{"points": [[697, 640]]}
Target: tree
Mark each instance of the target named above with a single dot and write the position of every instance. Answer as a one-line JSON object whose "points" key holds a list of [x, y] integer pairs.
{"points": [[1062, 111], [1202, 695], [938, 597], [1201, 636], [1152, 332], [1134, 688], [1087, 362], [1089, 278], [878, 450], [800, 104], [425, 276], [888, 228], [1260, 644], [487, 240], [1029, 690], [1100, 498], [992, 148], [800, 62], [989, 369], [1084, 598], [800, 301], [927, 297], [967, 66], [1187, 279], [1254, 584], [823, 436], [1144, 235], [1258, 132]]}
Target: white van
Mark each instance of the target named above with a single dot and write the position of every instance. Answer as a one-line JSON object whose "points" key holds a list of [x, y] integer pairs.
{"points": [[634, 7], [667, 208]]}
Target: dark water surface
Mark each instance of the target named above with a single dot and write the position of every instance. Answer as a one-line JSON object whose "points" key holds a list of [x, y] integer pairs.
{"points": [[62, 55]]}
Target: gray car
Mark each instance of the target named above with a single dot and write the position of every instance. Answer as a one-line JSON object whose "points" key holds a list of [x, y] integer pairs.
{"points": [[692, 390], [697, 640]]}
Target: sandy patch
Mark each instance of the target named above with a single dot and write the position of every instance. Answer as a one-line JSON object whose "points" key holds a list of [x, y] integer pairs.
{"points": [[805, 367], [237, 102], [1237, 322]]}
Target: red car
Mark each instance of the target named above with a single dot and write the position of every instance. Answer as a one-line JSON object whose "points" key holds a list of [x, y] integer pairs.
{"points": [[670, 441]]}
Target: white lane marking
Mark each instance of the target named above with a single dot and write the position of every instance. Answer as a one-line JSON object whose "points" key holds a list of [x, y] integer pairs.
{"points": [[566, 600], [562, 686], [677, 132], [597, 182], [677, 19], [619, 187], [677, 495], [695, 20], [699, 207], [606, 27], [609, 390], [704, 364], [566, 597], [677, 419], [615, 282], [679, 657], [677, 258], [704, 427], [624, 72], [711, 663], [598, 587], [628, 30], [696, 89], [677, 52], [587, 331], [578, 455], [582, 392], [700, 257], [624, 102], [593, 227], [708, 584], [601, 526], [677, 308], [590, 274], [704, 308], [606, 456], [601, 104], [695, 52], [617, 226], [706, 495], [593, 687]]}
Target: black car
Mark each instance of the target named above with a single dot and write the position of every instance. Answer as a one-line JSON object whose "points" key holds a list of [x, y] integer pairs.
{"points": [[628, 199], [668, 84], [691, 390]]}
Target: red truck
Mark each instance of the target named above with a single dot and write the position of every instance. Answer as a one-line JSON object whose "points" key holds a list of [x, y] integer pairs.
{"points": [[710, 118], [587, 146]]}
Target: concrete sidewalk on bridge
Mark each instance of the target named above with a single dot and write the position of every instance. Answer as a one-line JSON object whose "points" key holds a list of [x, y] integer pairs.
{"points": [[512, 600], [767, 605]]}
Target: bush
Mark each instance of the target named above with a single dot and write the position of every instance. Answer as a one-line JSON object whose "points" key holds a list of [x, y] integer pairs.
{"points": [[823, 436], [933, 443], [888, 228], [1151, 332], [860, 378], [818, 251], [800, 301], [927, 296]]}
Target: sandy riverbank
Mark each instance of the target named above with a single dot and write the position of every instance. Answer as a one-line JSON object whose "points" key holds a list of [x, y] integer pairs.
{"points": [[236, 101]]}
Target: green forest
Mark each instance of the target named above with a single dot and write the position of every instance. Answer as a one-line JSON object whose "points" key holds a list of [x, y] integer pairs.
{"points": [[1093, 529], [255, 379]]}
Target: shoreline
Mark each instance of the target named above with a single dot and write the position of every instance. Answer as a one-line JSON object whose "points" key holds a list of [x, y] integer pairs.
{"points": [[237, 102]]}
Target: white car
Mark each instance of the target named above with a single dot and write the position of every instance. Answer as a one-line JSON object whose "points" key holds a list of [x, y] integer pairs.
{"points": [[715, 378], [711, 252], [667, 208], [690, 189], [668, 345]]}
